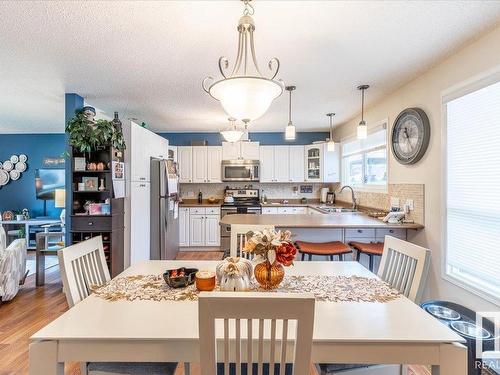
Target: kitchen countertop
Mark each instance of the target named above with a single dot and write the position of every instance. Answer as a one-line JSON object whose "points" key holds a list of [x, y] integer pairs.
{"points": [[332, 220], [205, 203]]}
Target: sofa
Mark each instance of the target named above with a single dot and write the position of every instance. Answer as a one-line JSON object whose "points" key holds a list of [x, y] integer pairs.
{"points": [[12, 266]]}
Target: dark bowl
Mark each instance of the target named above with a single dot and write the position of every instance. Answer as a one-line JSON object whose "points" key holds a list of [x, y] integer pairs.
{"points": [[180, 281]]}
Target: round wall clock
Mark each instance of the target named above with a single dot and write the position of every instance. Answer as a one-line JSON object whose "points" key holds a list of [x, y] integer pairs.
{"points": [[410, 135]]}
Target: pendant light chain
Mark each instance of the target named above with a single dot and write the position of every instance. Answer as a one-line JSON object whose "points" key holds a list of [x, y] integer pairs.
{"points": [[290, 107]]}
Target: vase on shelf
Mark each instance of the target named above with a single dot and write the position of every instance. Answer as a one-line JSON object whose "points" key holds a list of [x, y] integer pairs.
{"points": [[102, 187], [269, 276]]}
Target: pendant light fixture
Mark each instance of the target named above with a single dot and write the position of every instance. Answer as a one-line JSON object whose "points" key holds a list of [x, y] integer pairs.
{"points": [[245, 93], [290, 128], [232, 134], [330, 146], [362, 130]]}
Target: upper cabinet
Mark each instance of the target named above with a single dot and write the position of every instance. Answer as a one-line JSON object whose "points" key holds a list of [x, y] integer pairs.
{"points": [[199, 164], [184, 157], [240, 150], [296, 162], [282, 163], [214, 160], [322, 165], [266, 163]]}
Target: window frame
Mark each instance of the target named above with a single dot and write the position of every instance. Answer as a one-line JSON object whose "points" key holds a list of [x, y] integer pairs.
{"points": [[382, 188], [461, 89]]}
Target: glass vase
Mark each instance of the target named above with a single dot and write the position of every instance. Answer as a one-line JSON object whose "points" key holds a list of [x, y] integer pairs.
{"points": [[269, 276]]}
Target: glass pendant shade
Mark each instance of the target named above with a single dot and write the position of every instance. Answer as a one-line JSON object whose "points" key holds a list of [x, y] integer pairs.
{"points": [[290, 132], [362, 130], [330, 143], [246, 98], [330, 146], [232, 134]]}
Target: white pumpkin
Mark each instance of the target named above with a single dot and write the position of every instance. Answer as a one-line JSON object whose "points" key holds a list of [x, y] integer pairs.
{"points": [[234, 274]]}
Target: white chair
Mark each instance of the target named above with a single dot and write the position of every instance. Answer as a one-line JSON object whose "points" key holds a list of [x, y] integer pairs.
{"points": [[83, 265], [259, 318], [12, 268], [239, 238], [3, 238], [405, 267]]}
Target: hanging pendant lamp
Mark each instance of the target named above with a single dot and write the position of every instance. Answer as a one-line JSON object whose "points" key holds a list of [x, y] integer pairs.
{"points": [[290, 128], [245, 93], [362, 129], [232, 134], [330, 145]]}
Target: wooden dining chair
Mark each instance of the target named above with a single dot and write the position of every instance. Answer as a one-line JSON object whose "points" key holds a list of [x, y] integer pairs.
{"points": [[83, 265], [258, 319], [239, 238], [405, 267]]}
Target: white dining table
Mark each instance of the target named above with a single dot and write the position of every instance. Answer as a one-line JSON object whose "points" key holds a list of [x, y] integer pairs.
{"points": [[98, 330]]}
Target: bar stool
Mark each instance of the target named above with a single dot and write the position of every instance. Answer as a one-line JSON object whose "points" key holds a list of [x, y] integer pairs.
{"points": [[323, 248], [371, 249]]}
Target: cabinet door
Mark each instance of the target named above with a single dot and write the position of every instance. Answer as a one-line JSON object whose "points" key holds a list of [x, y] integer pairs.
{"points": [[196, 230], [269, 210], [250, 150], [214, 158], [281, 163], [267, 164], [139, 221], [212, 230], [296, 167], [230, 151], [314, 162], [199, 164], [285, 210], [184, 154], [139, 156], [331, 165], [183, 226]]}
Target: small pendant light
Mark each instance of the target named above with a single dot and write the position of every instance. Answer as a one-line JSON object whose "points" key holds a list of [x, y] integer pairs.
{"points": [[362, 130], [232, 134], [330, 146], [290, 128]]}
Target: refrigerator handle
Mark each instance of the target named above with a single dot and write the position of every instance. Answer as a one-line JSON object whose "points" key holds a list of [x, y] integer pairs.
{"points": [[163, 227]]}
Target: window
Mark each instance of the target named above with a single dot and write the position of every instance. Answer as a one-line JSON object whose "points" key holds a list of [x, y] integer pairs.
{"points": [[472, 188], [364, 162]]}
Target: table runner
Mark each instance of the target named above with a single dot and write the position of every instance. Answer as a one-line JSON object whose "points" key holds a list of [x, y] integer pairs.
{"points": [[324, 288]]}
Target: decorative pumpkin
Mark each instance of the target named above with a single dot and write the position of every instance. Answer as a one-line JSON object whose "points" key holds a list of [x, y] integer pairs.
{"points": [[243, 265], [234, 279]]}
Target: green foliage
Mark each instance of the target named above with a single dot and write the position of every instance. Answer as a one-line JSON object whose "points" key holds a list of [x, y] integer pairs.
{"points": [[86, 136]]}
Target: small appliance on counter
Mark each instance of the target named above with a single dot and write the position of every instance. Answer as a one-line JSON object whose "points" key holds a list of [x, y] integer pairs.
{"points": [[330, 197], [323, 194]]}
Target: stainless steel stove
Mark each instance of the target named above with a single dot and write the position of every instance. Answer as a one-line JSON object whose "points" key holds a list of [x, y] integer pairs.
{"points": [[246, 201]]}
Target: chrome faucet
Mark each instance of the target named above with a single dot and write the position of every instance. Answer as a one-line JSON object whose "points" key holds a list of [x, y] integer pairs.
{"points": [[354, 203]]}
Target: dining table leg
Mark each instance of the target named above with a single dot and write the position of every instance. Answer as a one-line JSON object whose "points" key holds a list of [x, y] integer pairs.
{"points": [[43, 359], [453, 360]]}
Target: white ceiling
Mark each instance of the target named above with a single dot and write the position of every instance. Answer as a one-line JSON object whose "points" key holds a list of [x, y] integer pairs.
{"points": [[147, 59]]}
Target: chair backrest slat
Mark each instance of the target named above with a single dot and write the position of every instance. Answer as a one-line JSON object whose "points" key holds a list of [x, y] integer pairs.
{"points": [[82, 265], [281, 310], [405, 267], [238, 238]]}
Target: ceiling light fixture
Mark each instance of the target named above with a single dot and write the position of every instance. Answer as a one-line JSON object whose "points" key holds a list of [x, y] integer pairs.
{"points": [[362, 130], [245, 93], [232, 134], [330, 146], [290, 128]]}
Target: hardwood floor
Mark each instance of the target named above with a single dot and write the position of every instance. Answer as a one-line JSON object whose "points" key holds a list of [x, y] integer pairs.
{"points": [[34, 307]]}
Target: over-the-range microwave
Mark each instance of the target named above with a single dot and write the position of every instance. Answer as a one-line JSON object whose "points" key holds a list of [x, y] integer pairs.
{"points": [[240, 170]]}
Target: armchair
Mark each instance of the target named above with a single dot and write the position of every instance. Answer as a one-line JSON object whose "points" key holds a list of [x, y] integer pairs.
{"points": [[12, 268]]}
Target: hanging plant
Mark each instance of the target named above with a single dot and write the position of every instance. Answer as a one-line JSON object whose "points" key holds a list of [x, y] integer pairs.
{"points": [[86, 135]]}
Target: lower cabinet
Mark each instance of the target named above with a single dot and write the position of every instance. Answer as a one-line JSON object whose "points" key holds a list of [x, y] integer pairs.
{"points": [[199, 226], [284, 210]]}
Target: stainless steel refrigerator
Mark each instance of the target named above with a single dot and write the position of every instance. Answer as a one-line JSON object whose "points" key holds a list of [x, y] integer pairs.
{"points": [[164, 209]]}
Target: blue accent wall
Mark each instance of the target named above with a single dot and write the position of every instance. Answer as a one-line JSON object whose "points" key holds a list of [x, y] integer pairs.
{"points": [[20, 194], [268, 138]]}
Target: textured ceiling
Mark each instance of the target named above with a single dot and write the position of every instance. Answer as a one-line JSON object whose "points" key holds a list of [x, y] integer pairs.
{"points": [[147, 59]]}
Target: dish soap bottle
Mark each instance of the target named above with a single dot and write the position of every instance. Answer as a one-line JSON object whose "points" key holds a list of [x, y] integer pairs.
{"points": [[200, 198]]}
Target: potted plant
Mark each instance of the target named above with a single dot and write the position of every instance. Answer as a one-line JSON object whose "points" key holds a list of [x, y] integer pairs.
{"points": [[272, 250]]}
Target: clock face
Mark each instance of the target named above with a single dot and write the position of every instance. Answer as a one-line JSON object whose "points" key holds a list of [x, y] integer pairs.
{"points": [[410, 135]]}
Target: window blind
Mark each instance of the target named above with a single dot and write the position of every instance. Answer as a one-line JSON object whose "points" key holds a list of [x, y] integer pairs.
{"points": [[473, 189], [376, 139]]}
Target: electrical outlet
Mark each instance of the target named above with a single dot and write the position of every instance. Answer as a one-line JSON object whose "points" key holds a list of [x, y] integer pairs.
{"points": [[409, 203], [394, 202]]}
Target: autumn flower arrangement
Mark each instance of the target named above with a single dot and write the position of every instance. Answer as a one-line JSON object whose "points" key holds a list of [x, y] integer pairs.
{"points": [[271, 251]]}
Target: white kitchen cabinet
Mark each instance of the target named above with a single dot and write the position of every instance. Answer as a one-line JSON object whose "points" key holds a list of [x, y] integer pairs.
{"points": [[281, 163], [266, 163], [197, 230], [269, 210], [184, 226], [199, 164], [212, 230], [230, 150], [322, 165], [214, 167], [292, 210], [250, 150], [139, 153], [172, 153], [184, 155], [296, 164], [140, 197]]}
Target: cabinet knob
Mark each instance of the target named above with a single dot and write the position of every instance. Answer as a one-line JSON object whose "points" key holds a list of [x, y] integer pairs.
{"points": [[91, 223], [360, 231]]}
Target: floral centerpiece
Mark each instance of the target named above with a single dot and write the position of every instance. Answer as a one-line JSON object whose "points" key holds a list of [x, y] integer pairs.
{"points": [[271, 250]]}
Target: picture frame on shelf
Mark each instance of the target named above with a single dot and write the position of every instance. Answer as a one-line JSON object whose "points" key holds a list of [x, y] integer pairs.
{"points": [[91, 183], [80, 164]]}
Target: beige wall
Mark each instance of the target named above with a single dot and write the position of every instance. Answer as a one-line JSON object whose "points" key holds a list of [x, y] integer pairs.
{"points": [[425, 92]]}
